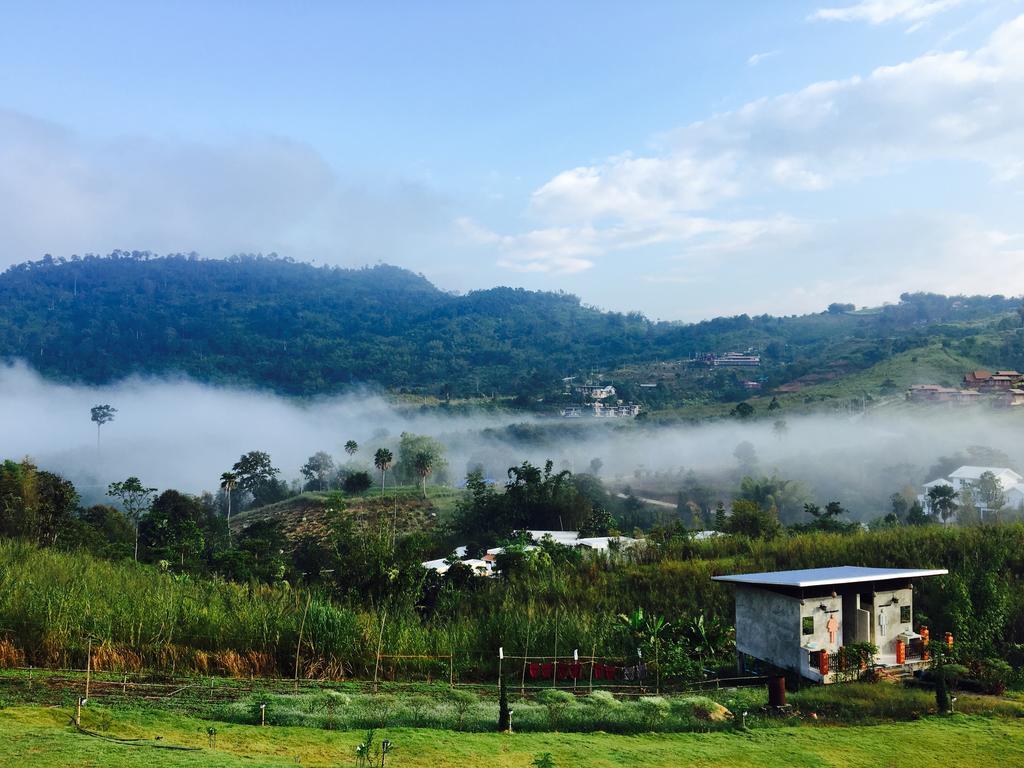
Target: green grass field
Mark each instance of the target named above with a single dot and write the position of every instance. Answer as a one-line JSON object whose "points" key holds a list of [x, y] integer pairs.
{"points": [[41, 736]]}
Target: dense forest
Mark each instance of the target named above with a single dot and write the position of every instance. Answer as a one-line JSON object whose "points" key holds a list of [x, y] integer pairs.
{"points": [[98, 319]]}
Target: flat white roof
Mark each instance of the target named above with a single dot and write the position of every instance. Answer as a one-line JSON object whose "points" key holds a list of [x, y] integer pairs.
{"points": [[820, 577], [974, 473]]}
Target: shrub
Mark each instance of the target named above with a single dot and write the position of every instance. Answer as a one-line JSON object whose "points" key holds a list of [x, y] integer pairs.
{"points": [[603, 699], [418, 706], [462, 702], [653, 711], [557, 703], [993, 674], [357, 482]]}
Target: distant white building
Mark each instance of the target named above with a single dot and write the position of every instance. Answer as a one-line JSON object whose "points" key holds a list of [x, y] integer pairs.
{"points": [[965, 481], [485, 566], [596, 391]]}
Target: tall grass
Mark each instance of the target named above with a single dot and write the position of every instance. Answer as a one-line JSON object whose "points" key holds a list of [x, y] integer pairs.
{"points": [[52, 604]]}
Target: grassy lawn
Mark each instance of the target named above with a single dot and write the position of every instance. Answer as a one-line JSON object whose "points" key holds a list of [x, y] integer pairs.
{"points": [[41, 736]]}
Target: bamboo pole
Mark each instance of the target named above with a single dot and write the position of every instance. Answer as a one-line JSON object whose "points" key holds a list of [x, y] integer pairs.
{"points": [[593, 652], [298, 646], [380, 642], [554, 669], [88, 668], [526, 650]]}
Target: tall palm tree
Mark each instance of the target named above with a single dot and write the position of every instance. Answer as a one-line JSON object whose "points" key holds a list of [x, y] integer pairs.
{"points": [[382, 460], [351, 447], [423, 462], [228, 481]]}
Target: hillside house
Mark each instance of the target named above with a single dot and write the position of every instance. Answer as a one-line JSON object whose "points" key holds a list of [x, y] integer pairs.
{"points": [[798, 620], [998, 381], [933, 393]]}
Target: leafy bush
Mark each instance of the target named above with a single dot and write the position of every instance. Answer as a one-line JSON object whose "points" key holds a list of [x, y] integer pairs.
{"points": [[653, 711], [462, 702], [357, 482], [557, 703], [603, 699], [993, 674]]}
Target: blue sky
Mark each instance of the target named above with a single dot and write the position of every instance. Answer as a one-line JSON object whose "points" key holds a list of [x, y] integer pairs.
{"points": [[684, 159]]}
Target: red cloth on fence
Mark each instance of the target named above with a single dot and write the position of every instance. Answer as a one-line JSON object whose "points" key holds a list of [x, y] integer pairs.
{"points": [[610, 672], [547, 670], [574, 671], [534, 670], [598, 671], [563, 671]]}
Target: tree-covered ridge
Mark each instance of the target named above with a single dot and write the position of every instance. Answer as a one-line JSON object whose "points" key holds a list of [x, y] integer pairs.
{"points": [[300, 329]]}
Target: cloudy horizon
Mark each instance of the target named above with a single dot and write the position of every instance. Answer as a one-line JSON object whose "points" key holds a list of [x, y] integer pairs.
{"points": [[817, 152]]}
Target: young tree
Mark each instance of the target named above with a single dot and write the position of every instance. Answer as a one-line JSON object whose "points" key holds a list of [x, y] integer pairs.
{"points": [[748, 519], [135, 500], [828, 519], [228, 483], [424, 464], [255, 473], [382, 460], [721, 518], [320, 465], [916, 514], [598, 523], [743, 410], [175, 527], [780, 428], [101, 414], [942, 501], [989, 491], [351, 447]]}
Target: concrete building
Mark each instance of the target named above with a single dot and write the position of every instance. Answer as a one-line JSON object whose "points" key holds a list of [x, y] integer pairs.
{"points": [[790, 620]]}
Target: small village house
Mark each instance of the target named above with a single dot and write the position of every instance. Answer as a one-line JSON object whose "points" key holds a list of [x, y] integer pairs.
{"points": [[796, 621]]}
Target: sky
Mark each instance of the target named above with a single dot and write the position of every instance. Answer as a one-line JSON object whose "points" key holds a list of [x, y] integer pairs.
{"points": [[687, 160]]}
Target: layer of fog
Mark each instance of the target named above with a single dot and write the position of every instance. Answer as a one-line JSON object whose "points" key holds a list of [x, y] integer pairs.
{"points": [[181, 434]]}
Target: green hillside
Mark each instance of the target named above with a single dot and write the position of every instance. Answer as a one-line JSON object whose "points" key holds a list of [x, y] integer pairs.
{"points": [[304, 330], [310, 514]]}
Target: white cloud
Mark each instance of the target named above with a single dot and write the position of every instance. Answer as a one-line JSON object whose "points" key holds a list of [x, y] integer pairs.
{"points": [[63, 193], [958, 105], [757, 58], [882, 11], [804, 266], [684, 210]]}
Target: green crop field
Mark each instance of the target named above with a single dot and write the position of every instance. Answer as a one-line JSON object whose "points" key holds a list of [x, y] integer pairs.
{"points": [[42, 736]]}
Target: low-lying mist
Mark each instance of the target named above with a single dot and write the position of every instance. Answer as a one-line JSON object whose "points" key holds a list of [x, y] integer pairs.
{"points": [[176, 433]]}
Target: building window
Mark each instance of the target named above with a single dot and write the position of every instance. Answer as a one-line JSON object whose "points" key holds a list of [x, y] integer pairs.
{"points": [[904, 614], [808, 623]]}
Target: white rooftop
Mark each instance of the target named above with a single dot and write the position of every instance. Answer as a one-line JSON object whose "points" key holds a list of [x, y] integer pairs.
{"points": [[820, 577], [975, 473]]}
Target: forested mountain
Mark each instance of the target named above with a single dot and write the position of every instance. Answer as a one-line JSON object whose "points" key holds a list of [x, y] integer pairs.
{"points": [[300, 329]]}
